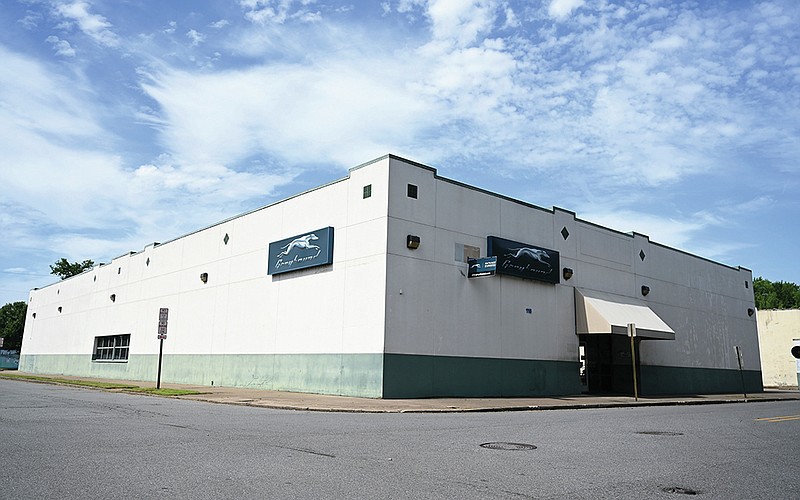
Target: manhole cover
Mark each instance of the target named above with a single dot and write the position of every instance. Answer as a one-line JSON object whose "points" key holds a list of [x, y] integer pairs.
{"points": [[679, 490], [660, 433], [508, 446]]}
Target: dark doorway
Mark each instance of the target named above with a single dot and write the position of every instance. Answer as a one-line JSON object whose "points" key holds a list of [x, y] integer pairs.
{"points": [[608, 363]]}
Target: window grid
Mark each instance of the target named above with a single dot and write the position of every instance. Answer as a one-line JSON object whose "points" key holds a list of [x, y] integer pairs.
{"points": [[111, 348]]}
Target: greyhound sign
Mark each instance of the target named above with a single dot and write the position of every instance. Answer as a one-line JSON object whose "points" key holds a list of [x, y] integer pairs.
{"points": [[524, 260], [314, 248]]}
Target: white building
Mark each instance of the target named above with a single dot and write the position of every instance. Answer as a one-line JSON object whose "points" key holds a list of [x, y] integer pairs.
{"points": [[386, 307], [778, 333]]}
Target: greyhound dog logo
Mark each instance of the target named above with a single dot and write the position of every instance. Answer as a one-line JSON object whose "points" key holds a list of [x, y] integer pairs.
{"points": [[302, 243], [532, 253]]}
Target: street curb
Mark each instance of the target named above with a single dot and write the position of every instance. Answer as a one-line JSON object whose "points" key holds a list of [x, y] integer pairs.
{"points": [[492, 409], [262, 403]]}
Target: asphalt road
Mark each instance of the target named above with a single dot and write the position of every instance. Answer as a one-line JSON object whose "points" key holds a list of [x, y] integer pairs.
{"points": [[64, 442]]}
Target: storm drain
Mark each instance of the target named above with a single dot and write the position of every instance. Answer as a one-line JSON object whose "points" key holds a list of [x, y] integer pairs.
{"points": [[679, 490], [500, 445], [660, 433]]}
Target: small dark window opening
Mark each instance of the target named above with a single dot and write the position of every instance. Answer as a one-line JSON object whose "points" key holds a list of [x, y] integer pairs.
{"points": [[119, 270], [746, 285], [367, 191], [412, 191]]}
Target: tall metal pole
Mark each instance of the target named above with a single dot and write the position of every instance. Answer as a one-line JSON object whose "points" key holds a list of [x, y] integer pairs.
{"points": [[741, 374], [163, 317], [160, 353], [632, 335]]}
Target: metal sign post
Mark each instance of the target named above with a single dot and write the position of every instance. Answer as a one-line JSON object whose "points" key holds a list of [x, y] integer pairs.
{"points": [[741, 374], [632, 335], [163, 314]]}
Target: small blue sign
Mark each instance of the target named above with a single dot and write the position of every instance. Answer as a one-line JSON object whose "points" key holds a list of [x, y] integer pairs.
{"points": [[485, 266], [314, 248]]}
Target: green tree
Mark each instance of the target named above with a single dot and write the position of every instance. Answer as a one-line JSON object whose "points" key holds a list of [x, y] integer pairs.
{"points": [[776, 295], [64, 268], [12, 324]]}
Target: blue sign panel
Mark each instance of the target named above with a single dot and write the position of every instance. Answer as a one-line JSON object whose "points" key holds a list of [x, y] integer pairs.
{"points": [[314, 248], [485, 266], [524, 260]]}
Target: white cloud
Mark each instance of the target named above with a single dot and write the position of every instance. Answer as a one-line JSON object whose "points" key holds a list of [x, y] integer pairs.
{"points": [[195, 38], [171, 27], [219, 24], [278, 11], [461, 22], [303, 113], [635, 104], [31, 20], [16, 270], [670, 42], [94, 25], [43, 102], [561, 9], [61, 47]]}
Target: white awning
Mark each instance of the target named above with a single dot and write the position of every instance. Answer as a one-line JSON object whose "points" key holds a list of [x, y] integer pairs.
{"points": [[604, 313]]}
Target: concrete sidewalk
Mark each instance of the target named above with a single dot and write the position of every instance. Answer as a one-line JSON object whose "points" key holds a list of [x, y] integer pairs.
{"points": [[322, 402]]}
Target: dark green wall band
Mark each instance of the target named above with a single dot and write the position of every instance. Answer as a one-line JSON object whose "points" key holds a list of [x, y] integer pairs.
{"points": [[665, 380], [419, 376]]}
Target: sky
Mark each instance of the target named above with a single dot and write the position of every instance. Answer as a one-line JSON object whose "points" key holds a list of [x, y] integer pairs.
{"points": [[127, 122]]}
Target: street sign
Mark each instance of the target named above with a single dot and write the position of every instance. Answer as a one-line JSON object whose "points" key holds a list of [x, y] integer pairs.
{"points": [[163, 315]]}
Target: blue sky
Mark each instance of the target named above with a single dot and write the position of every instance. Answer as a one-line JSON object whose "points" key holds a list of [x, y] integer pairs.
{"points": [[124, 123]]}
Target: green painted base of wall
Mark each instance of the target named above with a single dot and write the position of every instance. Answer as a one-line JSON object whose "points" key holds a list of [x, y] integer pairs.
{"points": [[664, 380], [340, 374], [386, 375], [419, 376]]}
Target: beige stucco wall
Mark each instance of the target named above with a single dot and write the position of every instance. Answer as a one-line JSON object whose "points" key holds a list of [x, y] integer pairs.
{"points": [[776, 331]]}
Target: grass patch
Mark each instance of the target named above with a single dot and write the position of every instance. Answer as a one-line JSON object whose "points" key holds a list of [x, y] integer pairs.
{"points": [[56, 380], [165, 392], [100, 385]]}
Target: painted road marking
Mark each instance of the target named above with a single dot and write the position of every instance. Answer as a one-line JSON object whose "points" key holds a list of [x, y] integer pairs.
{"points": [[779, 419]]}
